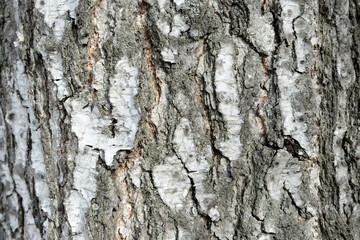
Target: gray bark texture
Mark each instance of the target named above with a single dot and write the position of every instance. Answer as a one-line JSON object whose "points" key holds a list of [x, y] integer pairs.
{"points": [[181, 119]]}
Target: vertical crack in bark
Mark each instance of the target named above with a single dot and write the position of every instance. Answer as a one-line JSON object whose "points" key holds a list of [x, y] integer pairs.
{"points": [[216, 154], [30, 184], [348, 160], [346, 145], [9, 158], [294, 55], [150, 61], [214, 115], [149, 49], [262, 6], [125, 168], [259, 120], [123, 172], [271, 72], [92, 45], [42, 110]]}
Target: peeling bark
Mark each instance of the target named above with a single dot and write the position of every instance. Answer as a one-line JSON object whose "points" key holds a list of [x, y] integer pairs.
{"points": [[180, 119]]}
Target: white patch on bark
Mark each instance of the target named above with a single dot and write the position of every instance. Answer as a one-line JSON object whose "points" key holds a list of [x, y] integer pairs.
{"points": [[163, 26], [287, 80], [109, 134], [261, 32], [195, 161], [127, 209], [20, 39], [173, 183], [102, 20], [179, 2], [17, 118], [227, 94], [264, 236], [292, 127], [53, 61], [168, 55], [79, 199], [161, 4], [347, 78], [178, 26], [290, 10], [214, 214], [55, 12], [299, 26], [123, 89], [93, 129], [157, 113], [135, 173], [99, 74], [285, 175]]}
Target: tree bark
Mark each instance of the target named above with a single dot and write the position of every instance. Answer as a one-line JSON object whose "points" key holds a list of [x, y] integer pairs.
{"points": [[181, 119]]}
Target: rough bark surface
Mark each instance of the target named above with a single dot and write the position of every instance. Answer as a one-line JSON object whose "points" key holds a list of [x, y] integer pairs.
{"points": [[155, 119]]}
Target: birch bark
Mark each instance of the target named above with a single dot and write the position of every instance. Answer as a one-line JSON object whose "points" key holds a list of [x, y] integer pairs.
{"points": [[181, 119]]}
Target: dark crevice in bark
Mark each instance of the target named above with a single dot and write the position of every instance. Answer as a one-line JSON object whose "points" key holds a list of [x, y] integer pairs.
{"points": [[151, 55], [205, 101], [348, 159], [101, 163], [177, 230], [75, 30], [240, 17], [10, 159], [241, 73], [240, 210], [294, 148], [154, 188], [217, 114], [30, 184], [251, 45], [206, 218], [136, 233], [298, 209], [348, 144], [58, 168], [213, 116], [242, 229], [271, 165], [273, 91]]}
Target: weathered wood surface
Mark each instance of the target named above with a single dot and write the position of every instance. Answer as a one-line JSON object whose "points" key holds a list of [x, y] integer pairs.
{"points": [[183, 119]]}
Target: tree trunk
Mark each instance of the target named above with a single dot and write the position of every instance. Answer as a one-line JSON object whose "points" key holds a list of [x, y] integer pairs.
{"points": [[181, 119]]}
